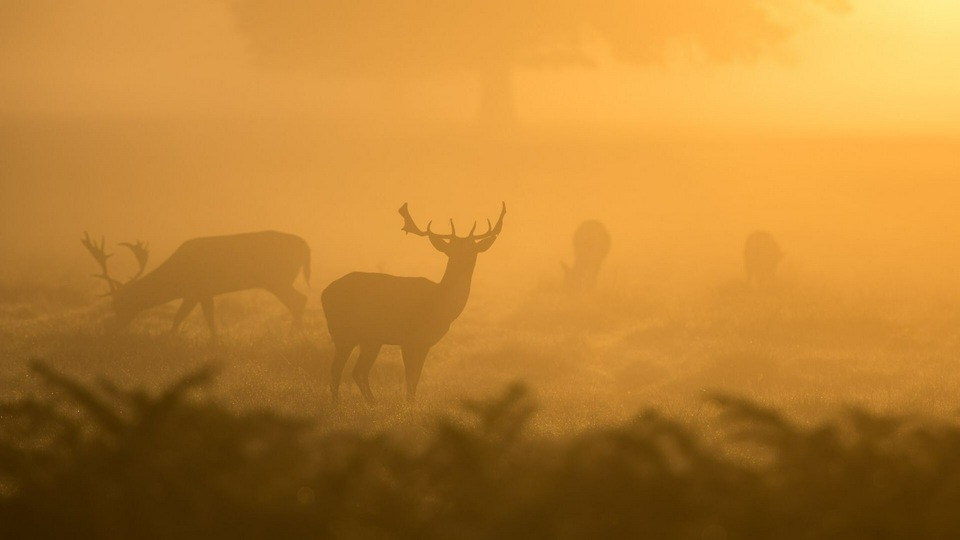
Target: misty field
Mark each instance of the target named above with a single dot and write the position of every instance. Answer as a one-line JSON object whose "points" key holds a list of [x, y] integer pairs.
{"points": [[676, 401], [714, 294], [591, 359], [796, 412]]}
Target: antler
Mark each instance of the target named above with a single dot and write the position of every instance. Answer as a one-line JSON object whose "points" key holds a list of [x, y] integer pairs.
{"points": [[410, 227], [493, 230], [98, 253], [141, 250]]}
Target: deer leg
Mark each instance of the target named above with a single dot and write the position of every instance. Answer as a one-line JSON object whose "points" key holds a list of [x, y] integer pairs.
{"points": [[294, 300], [206, 304], [341, 353], [413, 358], [361, 372], [185, 308]]}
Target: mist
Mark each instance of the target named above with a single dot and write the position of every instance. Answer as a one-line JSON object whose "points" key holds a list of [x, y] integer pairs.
{"points": [[727, 265], [158, 110]]}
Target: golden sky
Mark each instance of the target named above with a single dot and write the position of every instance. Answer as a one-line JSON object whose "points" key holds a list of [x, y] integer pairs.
{"points": [[886, 66]]}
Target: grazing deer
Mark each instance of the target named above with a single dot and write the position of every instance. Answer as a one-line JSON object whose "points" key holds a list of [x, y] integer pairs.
{"points": [[371, 310], [591, 245], [761, 257], [205, 267]]}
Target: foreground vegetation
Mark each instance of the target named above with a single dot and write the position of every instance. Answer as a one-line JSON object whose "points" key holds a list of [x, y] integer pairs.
{"points": [[799, 414], [103, 462]]}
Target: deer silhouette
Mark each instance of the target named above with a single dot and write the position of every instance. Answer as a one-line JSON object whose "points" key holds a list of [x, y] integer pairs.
{"points": [[591, 245], [206, 267], [370, 310]]}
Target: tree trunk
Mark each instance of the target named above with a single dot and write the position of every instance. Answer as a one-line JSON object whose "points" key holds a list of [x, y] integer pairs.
{"points": [[497, 107]]}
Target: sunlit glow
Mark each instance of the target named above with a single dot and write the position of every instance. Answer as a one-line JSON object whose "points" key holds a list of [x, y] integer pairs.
{"points": [[752, 197], [885, 65]]}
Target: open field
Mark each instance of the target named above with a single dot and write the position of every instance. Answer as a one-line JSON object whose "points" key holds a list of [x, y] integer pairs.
{"points": [[741, 414], [677, 401], [590, 360], [718, 297]]}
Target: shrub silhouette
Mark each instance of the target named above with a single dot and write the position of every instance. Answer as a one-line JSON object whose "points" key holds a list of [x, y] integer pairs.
{"points": [[110, 463], [99, 461]]}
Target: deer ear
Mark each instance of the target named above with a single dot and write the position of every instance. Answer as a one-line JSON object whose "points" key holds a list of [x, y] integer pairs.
{"points": [[484, 244], [439, 244]]}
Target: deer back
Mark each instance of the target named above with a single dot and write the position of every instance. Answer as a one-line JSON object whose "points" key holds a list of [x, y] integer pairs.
{"points": [[209, 266], [378, 308]]}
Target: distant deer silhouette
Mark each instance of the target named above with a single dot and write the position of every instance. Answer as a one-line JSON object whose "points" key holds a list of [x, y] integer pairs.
{"points": [[591, 245], [761, 257], [205, 267], [371, 310]]}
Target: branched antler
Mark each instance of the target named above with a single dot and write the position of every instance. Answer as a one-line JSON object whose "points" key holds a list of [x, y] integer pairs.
{"points": [[141, 250], [410, 227], [101, 256], [491, 230]]}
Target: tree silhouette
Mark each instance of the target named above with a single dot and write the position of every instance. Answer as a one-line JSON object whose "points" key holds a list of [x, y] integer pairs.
{"points": [[494, 37]]}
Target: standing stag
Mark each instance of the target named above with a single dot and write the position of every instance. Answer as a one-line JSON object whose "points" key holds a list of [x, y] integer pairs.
{"points": [[761, 257], [205, 267], [371, 310], [591, 245]]}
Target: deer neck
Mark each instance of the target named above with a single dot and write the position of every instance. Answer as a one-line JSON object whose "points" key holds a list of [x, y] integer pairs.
{"points": [[147, 292], [455, 286]]}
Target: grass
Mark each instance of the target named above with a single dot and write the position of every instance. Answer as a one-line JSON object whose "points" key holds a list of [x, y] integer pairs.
{"points": [[795, 413], [805, 350]]}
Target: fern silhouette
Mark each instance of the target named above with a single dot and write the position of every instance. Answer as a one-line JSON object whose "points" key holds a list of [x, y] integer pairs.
{"points": [[96, 460]]}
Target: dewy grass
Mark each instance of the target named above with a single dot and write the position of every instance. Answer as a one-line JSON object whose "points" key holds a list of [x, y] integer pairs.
{"points": [[745, 417], [98, 460]]}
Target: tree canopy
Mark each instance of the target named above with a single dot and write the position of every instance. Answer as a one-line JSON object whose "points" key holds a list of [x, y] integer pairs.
{"points": [[415, 37]]}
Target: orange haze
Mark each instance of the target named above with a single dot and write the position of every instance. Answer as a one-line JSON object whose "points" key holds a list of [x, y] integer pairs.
{"points": [[161, 120]]}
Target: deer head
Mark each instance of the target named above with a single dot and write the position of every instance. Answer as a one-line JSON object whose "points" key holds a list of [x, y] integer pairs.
{"points": [[453, 246], [140, 250]]}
